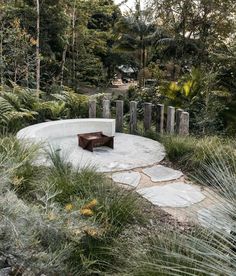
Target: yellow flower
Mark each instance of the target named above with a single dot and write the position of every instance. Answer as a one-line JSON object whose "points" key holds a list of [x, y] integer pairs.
{"points": [[91, 204], [51, 216], [17, 181], [77, 232], [91, 232], [86, 212], [16, 23], [33, 41], [69, 207], [24, 33]]}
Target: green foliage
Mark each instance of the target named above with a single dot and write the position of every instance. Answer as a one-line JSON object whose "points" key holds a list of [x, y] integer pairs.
{"points": [[17, 54], [21, 107], [190, 153], [198, 92], [197, 28], [76, 104], [53, 109], [16, 108]]}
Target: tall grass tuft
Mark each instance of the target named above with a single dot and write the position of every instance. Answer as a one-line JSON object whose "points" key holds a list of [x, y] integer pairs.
{"points": [[190, 152], [18, 163]]}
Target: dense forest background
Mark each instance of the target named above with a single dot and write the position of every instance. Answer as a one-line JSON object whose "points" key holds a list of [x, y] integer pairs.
{"points": [[187, 47]]}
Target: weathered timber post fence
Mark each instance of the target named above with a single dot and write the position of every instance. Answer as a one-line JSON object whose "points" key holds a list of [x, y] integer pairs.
{"points": [[147, 122], [106, 113], [119, 116], [177, 118], [133, 117], [175, 121], [170, 124], [92, 109], [160, 118]]}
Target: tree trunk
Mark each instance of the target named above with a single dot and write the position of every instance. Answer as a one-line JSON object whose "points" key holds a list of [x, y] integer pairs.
{"points": [[63, 64], [38, 50], [73, 43], [1, 60], [27, 74], [15, 63]]}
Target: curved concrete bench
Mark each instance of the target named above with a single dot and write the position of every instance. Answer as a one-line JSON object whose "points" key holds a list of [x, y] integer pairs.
{"points": [[63, 128]]}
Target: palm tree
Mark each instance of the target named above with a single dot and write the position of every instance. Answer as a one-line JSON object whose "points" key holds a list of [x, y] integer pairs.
{"points": [[138, 35]]}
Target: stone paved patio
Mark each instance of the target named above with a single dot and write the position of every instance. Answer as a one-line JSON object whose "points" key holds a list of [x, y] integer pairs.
{"points": [[129, 152]]}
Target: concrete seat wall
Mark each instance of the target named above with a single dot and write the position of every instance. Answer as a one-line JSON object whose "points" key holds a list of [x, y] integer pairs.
{"points": [[63, 128]]}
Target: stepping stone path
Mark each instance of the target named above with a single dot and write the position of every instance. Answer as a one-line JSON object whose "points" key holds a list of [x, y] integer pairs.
{"points": [[169, 189], [160, 173], [173, 195], [128, 178]]}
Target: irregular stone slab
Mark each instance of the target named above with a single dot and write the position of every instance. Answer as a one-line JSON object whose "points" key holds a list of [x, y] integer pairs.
{"points": [[216, 217], [128, 178], [177, 194], [161, 173]]}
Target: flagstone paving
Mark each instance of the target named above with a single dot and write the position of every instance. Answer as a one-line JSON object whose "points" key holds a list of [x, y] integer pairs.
{"points": [[170, 190], [130, 151], [161, 173], [178, 194], [128, 178]]}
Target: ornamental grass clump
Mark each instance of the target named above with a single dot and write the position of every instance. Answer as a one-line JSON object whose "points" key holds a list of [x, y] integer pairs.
{"points": [[189, 153], [202, 253]]}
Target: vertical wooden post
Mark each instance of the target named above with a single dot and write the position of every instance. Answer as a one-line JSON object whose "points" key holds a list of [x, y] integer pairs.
{"points": [[147, 123], [177, 117], [133, 117], [170, 126], [92, 109], [119, 115], [160, 118], [184, 124], [106, 113]]}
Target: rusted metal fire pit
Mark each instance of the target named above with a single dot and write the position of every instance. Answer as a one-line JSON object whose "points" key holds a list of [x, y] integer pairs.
{"points": [[95, 139]]}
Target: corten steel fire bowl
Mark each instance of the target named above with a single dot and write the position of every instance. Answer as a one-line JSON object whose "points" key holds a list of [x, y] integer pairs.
{"points": [[95, 139]]}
